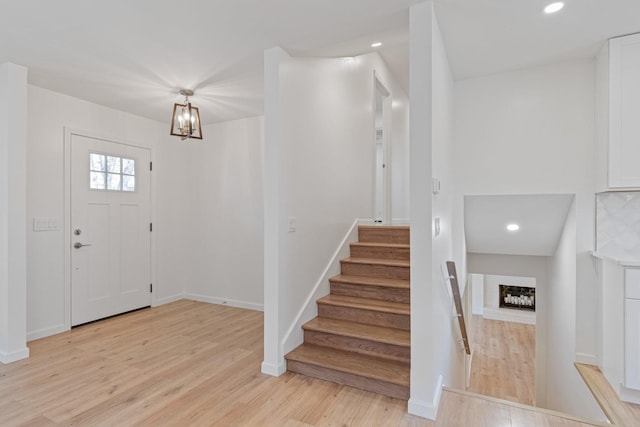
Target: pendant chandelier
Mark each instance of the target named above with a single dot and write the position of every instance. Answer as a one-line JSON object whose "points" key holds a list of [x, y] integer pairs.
{"points": [[185, 122]]}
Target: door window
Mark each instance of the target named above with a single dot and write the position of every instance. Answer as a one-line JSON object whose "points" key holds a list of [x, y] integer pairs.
{"points": [[111, 173]]}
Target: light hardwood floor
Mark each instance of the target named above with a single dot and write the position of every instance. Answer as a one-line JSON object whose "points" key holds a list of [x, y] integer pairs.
{"points": [[185, 363], [503, 364], [190, 363]]}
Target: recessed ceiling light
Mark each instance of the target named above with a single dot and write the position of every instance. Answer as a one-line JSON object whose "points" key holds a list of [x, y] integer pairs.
{"points": [[513, 227], [376, 44], [553, 7]]}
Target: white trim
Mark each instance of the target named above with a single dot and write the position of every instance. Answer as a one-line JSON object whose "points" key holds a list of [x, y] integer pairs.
{"points": [[587, 359], [46, 332], [468, 358], [66, 227], [273, 59], [424, 409], [153, 209], [14, 356], [66, 230], [387, 132], [273, 370], [168, 300], [224, 301], [309, 310], [629, 395]]}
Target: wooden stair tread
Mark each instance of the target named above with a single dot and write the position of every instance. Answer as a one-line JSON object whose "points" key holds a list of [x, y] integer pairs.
{"points": [[371, 281], [352, 363], [366, 304], [377, 261], [618, 412], [384, 227], [381, 245], [394, 336]]}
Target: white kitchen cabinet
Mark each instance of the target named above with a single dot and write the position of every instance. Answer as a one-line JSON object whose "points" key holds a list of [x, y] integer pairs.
{"points": [[632, 283], [618, 110], [624, 110], [619, 325], [632, 328], [632, 343]]}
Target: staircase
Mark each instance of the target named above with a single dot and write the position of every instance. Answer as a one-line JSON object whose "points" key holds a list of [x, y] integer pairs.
{"points": [[361, 336]]}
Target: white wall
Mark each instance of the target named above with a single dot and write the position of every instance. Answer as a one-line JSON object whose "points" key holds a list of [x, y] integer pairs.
{"points": [[13, 205], [399, 151], [227, 264], [566, 391], [319, 165], [477, 283], [48, 114], [436, 354], [425, 383], [531, 132], [449, 353]]}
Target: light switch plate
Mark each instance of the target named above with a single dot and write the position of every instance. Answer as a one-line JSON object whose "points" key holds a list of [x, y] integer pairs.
{"points": [[41, 223], [435, 185], [292, 224]]}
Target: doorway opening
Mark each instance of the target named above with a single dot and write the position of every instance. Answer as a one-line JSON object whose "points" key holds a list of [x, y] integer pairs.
{"points": [[536, 255], [382, 128], [504, 338]]}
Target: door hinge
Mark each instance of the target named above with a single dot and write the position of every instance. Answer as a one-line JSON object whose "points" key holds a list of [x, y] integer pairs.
{"points": [[150, 226], [150, 287], [150, 166]]}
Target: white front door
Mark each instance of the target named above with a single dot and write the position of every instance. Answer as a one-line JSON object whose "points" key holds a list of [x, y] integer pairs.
{"points": [[110, 228]]}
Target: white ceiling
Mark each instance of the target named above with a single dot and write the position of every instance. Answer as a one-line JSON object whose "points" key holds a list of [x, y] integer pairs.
{"points": [[135, 55], [541, 219], [489, 36]]}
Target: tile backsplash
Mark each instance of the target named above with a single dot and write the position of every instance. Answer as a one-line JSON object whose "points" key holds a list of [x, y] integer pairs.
{"points": [[618, 225]]}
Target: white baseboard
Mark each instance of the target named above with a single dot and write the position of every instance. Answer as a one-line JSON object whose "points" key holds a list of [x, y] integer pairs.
{"points": [[168, 300], [274, 370], [14, 356], [224, 301], [426, 409], [629, 395], [46, 332], [587, 359]]}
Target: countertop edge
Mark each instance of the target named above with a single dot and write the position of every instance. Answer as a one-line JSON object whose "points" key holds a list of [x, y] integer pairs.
{"points": [[623, 263]]}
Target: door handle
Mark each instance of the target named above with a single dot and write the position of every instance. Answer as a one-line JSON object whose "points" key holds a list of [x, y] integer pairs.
{"points": [[78, 245]]}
